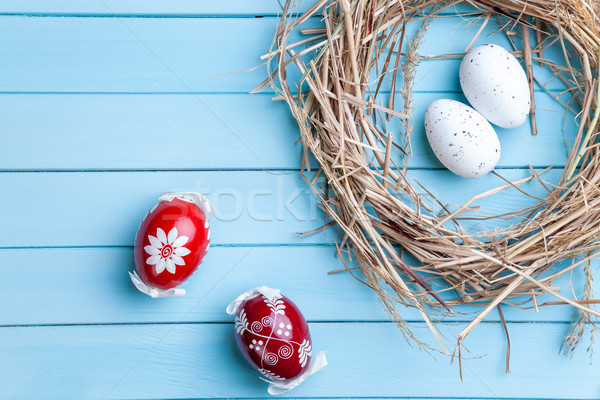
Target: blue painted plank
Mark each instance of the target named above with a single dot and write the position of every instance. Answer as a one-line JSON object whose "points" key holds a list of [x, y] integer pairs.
{"points": [[556, 132], [66, 286], [80, 278], [158, 7], [74, 132], [178, 54], [145, 7], [105, 208], [366, 360], [58, 132]]}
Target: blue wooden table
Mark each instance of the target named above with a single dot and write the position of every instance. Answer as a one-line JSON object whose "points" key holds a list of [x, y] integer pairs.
{"points": [[104, 104]]}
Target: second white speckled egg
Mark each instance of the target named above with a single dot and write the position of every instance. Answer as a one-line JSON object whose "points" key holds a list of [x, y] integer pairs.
{"points": [[496, 85], [461, 138]]}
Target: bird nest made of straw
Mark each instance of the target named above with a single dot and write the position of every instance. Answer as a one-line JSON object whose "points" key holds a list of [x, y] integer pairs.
{"points": [[359, 50]]}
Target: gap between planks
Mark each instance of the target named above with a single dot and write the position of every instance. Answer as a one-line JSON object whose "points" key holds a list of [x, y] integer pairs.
{"points": [[313, 322]]}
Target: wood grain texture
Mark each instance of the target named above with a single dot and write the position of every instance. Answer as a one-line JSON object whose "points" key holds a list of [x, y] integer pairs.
{"points": [[145, 7], [178, 54], [183, 8], [366, 360], [82, 277], [177, 8], [52, 209], [112, 132]]}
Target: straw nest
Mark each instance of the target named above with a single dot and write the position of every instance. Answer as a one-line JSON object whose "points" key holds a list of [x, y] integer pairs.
{"points": [[362, 49]]}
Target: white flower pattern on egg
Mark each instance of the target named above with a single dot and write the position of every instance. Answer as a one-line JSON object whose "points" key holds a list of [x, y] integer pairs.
{"points": [[166, 251]]}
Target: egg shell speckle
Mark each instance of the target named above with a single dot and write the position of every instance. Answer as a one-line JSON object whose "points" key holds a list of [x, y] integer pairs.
{"points": [[461, 138], [496, 85]]}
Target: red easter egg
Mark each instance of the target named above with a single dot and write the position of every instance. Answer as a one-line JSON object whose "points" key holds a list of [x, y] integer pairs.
{"points": [[171, 243], [273, 336]]}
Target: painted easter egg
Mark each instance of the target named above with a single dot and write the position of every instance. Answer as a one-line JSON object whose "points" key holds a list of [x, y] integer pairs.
{"points": [[171, 242], [274, 338], [461, 138], [496, 85]]}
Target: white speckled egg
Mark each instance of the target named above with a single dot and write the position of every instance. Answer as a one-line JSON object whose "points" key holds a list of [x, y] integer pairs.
{"points": [[496, 85], [461, 138]]}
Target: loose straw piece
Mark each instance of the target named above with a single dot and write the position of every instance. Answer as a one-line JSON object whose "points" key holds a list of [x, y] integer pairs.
{"points": [[481, 28], [503, 321], [388, 153], [529, 67]]}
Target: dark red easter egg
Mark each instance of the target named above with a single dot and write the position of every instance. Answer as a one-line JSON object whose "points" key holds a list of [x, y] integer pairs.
{"points": [[273, 336], [171, 243]]}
